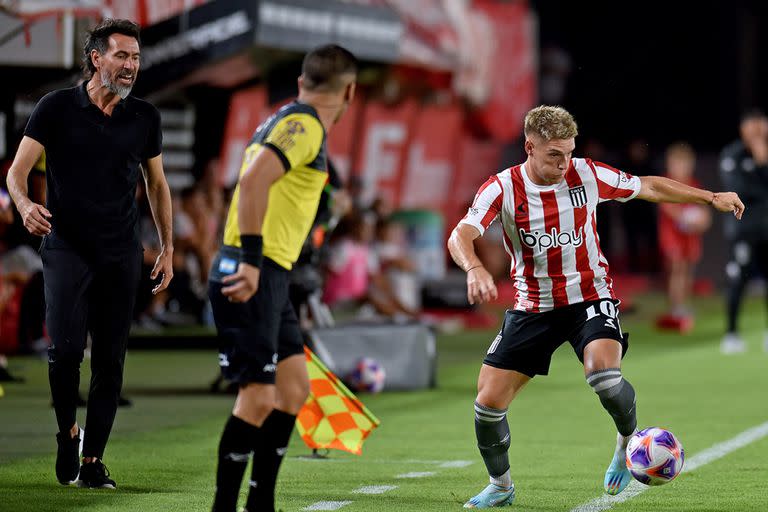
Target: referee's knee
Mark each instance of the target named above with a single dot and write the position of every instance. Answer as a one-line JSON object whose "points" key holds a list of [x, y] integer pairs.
{"points": [[291, 398]]}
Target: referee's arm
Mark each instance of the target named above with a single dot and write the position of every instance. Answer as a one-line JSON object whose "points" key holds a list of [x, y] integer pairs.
{"points": [[35, 216], [159, 196], [265, 169]]}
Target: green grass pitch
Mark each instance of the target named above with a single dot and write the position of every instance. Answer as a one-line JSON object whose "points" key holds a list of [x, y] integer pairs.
{"points": [[162, 450]]}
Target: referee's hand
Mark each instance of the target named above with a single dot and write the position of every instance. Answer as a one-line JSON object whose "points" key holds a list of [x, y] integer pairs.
{"points": [[35, 217], [244, 283], [480, 286]]}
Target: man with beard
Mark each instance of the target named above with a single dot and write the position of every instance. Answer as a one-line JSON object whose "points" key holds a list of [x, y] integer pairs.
{"points": [[96, 139], [282, 177]]}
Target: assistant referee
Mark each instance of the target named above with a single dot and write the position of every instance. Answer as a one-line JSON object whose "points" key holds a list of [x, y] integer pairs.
{"points": [[96, 139], [281, 180]]}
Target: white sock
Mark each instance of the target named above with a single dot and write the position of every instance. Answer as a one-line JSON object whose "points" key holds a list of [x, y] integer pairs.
{"points": [[623, 441], [504, 480]]}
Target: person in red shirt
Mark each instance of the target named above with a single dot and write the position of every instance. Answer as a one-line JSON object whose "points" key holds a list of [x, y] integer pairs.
{"points": [[680, 230]]}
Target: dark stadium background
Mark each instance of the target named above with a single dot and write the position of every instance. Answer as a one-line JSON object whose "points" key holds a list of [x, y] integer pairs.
{"points": [[666, 70]]}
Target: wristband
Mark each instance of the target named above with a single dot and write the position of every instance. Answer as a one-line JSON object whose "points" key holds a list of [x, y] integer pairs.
{"points": [[714, 196], [473, 268], [251, 249]]}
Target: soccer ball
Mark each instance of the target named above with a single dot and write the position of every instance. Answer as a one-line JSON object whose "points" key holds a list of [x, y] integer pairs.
{"points": [[367, 376], [654, 456]]}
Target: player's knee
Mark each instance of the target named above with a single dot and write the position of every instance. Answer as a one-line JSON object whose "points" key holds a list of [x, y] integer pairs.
{"points": [[617, 397]]}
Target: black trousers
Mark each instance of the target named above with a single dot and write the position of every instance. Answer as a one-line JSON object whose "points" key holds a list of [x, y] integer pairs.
{"points": [[748, 258], [97, 296]]}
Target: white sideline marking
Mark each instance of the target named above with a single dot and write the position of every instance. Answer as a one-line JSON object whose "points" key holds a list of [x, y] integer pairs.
{"points": [[456, 464], [374, 489], [441, 463], [711, 454], [327, 505], [416, 474]]}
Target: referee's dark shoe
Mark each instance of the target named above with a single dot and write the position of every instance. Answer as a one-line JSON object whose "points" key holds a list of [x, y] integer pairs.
{"points": [[67, 457], [95, 475]]}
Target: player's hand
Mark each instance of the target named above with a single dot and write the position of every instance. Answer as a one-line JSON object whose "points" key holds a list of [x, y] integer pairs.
{"points": [[480, 286], [245, 283], [728, 202], [164, 266], [35, 217]]}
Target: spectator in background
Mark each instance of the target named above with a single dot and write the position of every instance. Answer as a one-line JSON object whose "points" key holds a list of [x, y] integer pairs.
{"points": [[680, 229], [396, 266], [744, 169], [354, 280]]}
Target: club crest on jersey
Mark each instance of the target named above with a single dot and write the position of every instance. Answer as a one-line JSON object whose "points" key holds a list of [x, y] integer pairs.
{"points": [[578, 196], [541, 240]]}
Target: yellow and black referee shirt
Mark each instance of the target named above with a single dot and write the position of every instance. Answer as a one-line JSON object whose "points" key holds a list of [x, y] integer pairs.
{"points": [[296, 135]]}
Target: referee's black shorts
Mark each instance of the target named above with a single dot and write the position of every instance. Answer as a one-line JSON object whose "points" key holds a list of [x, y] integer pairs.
{"points": [[527, 341], [253, 336]]}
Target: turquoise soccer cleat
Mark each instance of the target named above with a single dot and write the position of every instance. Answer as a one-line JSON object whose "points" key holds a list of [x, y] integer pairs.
{"points": [[617, 477], [492, 496]]}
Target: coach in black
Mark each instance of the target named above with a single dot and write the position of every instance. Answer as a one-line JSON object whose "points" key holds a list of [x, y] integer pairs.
{"points": [[96, 139], [744, 169]]}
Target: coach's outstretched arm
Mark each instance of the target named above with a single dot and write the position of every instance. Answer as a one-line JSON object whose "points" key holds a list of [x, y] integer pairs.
{"points": [[480, 285], [664, 190]]}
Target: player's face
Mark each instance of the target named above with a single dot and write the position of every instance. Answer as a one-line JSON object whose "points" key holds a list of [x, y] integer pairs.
{"points": [[549, 160], [754, 130], [119, 66]]}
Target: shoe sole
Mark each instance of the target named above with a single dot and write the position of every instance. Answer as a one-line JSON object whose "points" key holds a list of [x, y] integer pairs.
{"points": [[84, 485]]}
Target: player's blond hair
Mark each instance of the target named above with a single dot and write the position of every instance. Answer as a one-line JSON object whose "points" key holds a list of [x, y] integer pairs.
{"points": [[550, 122]]}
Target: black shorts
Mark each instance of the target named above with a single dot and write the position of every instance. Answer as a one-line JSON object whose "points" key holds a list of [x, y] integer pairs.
{"points": [[527, 341], [254, 336]]}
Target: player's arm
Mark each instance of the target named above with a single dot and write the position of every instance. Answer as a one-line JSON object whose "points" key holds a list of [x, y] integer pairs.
{"points": [[659, 189], [461, 246], [35, 216], [159, 197], [265, 169]]}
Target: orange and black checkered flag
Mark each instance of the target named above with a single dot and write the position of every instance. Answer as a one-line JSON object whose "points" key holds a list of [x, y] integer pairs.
{"points": [[332, 416]]}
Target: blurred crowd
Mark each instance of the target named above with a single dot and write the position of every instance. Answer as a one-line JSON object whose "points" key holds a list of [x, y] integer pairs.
{"points": [[361, 256]]}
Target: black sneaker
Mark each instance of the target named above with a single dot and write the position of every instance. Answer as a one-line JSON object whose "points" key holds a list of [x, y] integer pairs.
{"points": [[95, 475], [67, 457]]}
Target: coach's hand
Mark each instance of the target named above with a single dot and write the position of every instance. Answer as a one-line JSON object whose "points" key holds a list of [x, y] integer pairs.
{"points": [[480, 286], [728, 202], [164, 266], [245, 283], [35, 217]]}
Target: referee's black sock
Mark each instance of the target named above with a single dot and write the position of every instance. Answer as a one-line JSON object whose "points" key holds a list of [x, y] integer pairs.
{"points": [[235, 447], [267, 457]]}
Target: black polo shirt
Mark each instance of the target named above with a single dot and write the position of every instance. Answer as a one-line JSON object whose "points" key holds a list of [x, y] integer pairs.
{"points": [[92, 167]]}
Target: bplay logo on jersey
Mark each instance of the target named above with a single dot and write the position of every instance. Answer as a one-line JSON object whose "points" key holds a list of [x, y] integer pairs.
{"points": [[541, 240]]}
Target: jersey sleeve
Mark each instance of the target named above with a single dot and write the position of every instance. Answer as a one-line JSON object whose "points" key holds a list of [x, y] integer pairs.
{"points": [[486, 206], [615, 184], [296, 139], [41, 122], [154, 136]]}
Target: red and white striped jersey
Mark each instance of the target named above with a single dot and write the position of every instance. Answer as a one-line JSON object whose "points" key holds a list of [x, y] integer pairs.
{"points": [[550, 231]]}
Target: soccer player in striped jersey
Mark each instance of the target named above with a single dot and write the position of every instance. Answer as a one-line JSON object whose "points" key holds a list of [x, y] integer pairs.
{"points": [[547, 208]]}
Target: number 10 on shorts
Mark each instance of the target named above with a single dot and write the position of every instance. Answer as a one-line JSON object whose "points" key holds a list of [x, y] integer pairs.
{"points": [[607, 309]]}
